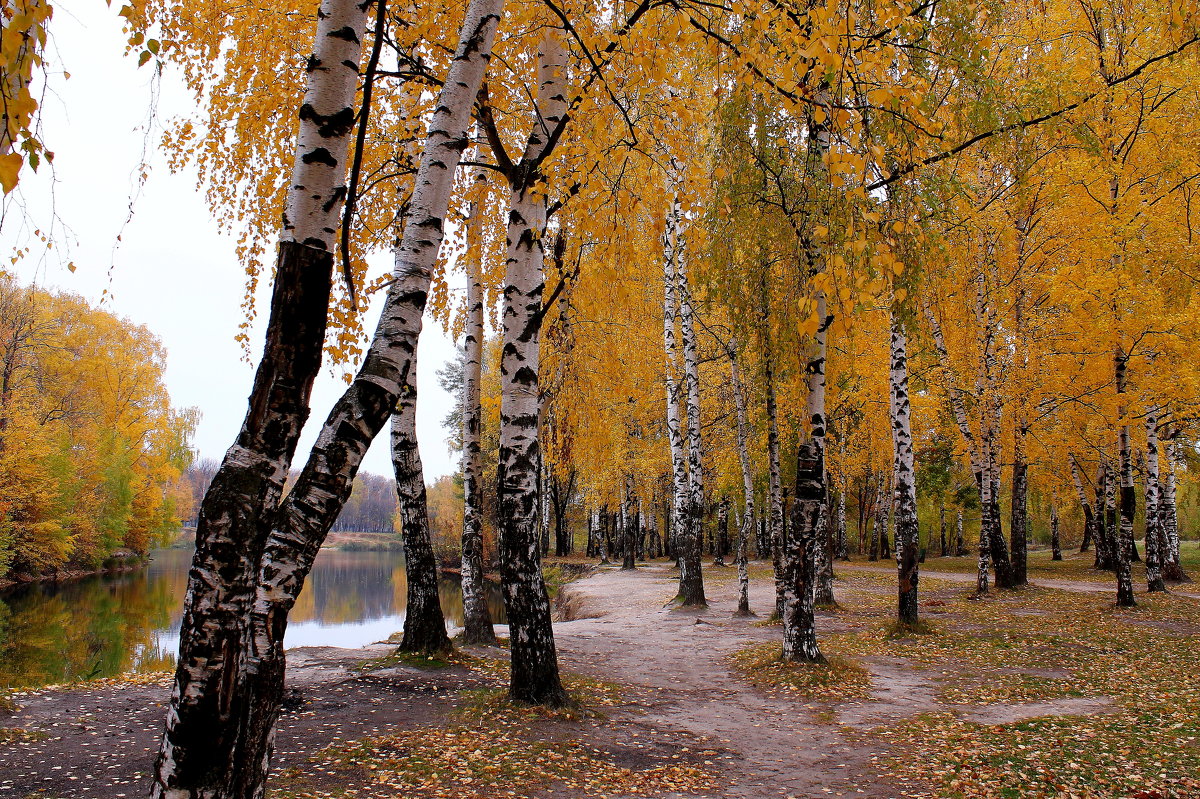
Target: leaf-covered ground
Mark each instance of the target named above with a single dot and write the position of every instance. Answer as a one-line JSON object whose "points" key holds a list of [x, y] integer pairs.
{"points": [[1041, 692]]}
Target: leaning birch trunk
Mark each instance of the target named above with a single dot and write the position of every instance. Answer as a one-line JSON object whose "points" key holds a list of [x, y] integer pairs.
{"points": [[801, 554], [691, 579], [424, 624], [1089, 521], [679, 479], [534, 675], [477, 618], [743, 444], [907, 531], [1125, 536], [311, 507], [1155, 548], [217, 741]]}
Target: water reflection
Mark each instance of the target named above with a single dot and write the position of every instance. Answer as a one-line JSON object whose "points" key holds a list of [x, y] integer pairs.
{"points": [[101, 626]]}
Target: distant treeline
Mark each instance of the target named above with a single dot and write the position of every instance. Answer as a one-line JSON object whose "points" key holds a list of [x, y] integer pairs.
{"points": [[370, 509], [91, 451]]}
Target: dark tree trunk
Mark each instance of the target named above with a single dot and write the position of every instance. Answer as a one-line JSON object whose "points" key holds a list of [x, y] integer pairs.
{"points": [[799, 563], [217, 738], [1019, 524], [1125, 597], [424, 624], [722, 531], [1055, 545]]}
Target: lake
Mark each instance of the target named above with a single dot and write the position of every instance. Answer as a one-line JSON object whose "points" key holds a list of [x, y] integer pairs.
{"points": [[110, 624]]}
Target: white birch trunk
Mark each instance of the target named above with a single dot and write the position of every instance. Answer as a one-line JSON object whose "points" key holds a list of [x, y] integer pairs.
{"points": [[679, 480], [691, 579], [477, 619], [907, 531], [743, 443], [1155, 548], [534, 676], [1125, 536]]}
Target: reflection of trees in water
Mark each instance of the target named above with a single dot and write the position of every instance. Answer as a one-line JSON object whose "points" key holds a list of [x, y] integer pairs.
{"points": [[106, 625], [88, 628]]}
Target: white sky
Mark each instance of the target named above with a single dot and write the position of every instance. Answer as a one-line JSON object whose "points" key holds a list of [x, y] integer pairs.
{"points": [[172, 271]]}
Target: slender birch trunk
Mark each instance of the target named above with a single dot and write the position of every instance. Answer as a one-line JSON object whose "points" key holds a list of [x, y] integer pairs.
{"points": [[1019, 523], [477, 619], [1055, 544], [843, 545], [876, 523], [629, 551], [309, 510], [1089, 520], [985, 524], [1169, 519], [722, 532], [775, 525], [1155, 545], [960, 546], [743, 438], [217, 741], [942, 523], [424, 624], [679, 479], [907, 531], [534, 675], [1125, 540], [691, 579]]}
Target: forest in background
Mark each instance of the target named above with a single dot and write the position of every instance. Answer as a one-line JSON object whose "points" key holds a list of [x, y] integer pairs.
{"points": [[92, 454]]}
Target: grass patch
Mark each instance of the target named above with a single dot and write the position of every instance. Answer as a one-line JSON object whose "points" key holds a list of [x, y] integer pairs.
{"points": [[17, 735], [420, 660], [837, 678]]}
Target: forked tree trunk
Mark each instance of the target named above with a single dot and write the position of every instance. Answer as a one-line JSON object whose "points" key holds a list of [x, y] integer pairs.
{"points": [[217, 741], [1125, 537], [424, 624], [534, 676], [743, 444], [691, 579], [320, 492], [1155, 545], [907, 531], [477, 618]]}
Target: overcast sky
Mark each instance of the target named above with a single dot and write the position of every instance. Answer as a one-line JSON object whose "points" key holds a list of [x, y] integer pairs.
{"points": [[172, 271]]}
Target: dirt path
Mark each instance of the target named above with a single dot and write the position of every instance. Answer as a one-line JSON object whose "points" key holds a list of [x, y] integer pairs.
{"points": [[677, 661]]}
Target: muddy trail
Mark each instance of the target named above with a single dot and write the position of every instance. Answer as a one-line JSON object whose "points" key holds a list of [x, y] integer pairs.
{"points": [[681, 700]]}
